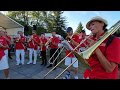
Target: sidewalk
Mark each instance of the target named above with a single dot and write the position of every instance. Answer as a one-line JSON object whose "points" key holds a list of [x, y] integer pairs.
{"points": [[32, 71]]}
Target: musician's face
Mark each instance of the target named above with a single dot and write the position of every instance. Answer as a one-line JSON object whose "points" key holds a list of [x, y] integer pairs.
{"points": [[53, 33], [42, 35], [1, 33], [70, 33], [96, 26], [33, 33], [83, 35], [5, 33], [21, 33]]}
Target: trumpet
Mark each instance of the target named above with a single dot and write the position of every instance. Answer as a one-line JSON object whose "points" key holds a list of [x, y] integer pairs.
{"points": [[41, 46], [18, 38], [48, 41], [87, 53], [30, 39]]}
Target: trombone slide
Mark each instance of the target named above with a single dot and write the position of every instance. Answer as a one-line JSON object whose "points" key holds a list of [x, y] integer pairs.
{"points": [[65, 70]]}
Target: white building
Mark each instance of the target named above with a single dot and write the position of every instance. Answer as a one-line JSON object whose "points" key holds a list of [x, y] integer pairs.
{"points": [[11, 26]]}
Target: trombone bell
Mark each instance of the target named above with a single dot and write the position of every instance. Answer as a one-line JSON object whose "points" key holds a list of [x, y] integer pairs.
{"points": [[79, 56]]}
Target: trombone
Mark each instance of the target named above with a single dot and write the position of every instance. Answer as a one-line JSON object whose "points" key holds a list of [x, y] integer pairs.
{"points": [[59, 52], [67, 56], [53, 56], [87, 53], [57, 55]]}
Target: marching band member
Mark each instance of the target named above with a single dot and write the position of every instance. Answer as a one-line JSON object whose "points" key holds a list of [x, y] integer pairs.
{"points": [[104, 61], [20, 39], [43, 40], [53, 47], [3, 58], [71, 58], [8, 39], [33, 47], [82, 37]]}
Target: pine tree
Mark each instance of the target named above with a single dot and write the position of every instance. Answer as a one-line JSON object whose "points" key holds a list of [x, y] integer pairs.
{"points": [[79, 28], [59, 23]]}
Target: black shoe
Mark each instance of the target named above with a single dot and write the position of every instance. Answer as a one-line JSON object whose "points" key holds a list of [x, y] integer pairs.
{"points": [[10, 57], [42, 63], [49, 66], [45, 64]]}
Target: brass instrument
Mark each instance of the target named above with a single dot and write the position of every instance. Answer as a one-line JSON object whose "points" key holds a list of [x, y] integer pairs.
{"points": [[30, 39], [18, 38], [57, 56], [48, 41], [41, 46], [67, 56], [53, 56], [87, 53], [60, 51]]}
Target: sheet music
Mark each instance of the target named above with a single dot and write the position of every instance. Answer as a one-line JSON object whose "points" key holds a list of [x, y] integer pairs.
{"points": [[67, 45]]}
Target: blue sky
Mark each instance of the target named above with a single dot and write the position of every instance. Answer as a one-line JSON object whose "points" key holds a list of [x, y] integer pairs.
{"points": [[74, 17]]}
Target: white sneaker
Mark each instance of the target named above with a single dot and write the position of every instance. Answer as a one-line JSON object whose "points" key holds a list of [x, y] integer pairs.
{"points": [[8, 78], [67, 76], [29, 62], [76, 77], [22, 63], [18, 64], [34, 62]]}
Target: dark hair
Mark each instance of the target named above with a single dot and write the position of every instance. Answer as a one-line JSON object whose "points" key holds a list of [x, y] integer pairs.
{"points": [[83, 31], [104, 27], [42, 33]]}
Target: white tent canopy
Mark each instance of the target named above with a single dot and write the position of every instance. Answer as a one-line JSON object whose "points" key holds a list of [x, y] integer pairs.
{"points": [[10, 25]]}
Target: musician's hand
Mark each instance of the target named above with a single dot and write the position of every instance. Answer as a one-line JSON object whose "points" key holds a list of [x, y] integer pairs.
{"points": [[50, 40], [91, 42], [68, 37], [72, 51], [1, 45], [41, 44], [97, 51]]}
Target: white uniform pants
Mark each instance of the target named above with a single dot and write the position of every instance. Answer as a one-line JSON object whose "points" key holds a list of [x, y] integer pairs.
{"points": [[32, 51], [4, 63], [6, 53], [18, 52]]}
